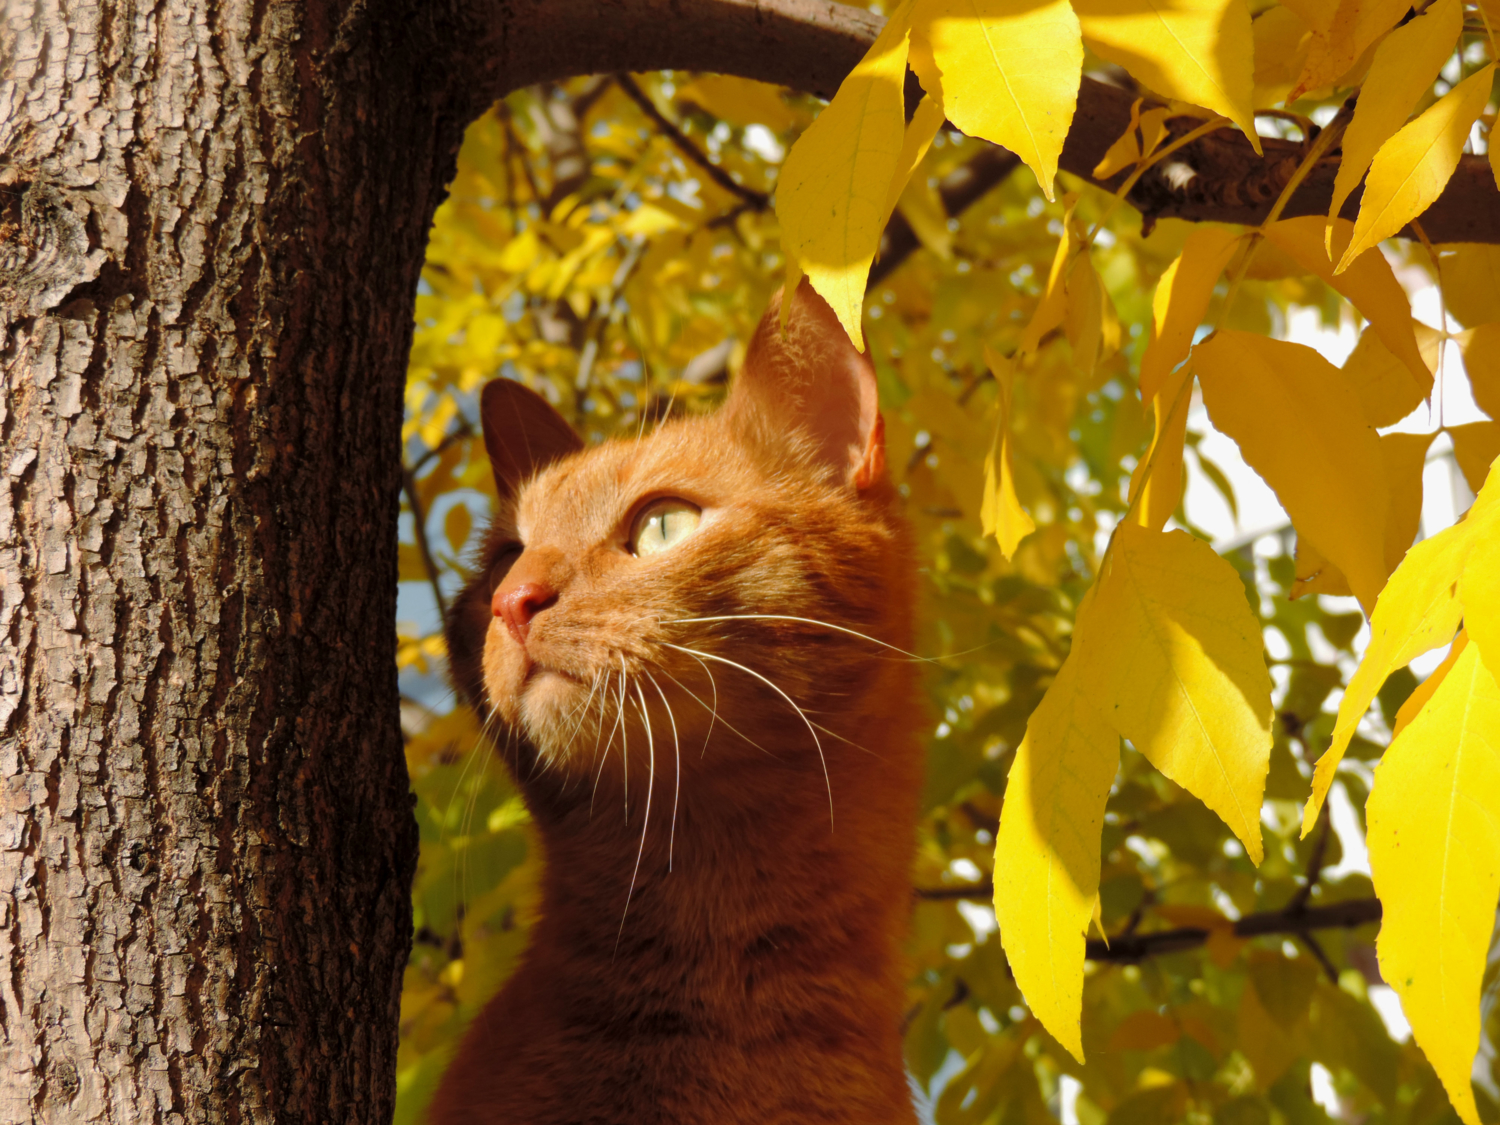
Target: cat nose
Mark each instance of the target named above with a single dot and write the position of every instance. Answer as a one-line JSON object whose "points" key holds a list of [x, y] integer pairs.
{"points": [[517, 605]]}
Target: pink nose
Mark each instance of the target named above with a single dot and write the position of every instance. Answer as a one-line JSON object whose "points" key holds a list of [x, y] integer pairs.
{"points": [[517, 605]]}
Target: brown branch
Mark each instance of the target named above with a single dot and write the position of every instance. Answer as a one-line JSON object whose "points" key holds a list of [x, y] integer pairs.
{"points": [[1129, 947], [424, 548], [758, 200], [811, 45]]}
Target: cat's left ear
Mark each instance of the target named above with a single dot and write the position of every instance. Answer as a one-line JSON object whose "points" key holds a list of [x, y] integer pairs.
{"points": [[522, 433], [807, 376]]}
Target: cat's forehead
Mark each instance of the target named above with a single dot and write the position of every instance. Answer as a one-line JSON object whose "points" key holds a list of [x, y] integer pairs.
{"points": [[586, 495]]}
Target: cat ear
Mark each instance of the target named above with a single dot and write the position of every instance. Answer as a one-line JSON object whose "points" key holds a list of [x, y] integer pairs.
{"points": [[522, 432], [810, 378]]}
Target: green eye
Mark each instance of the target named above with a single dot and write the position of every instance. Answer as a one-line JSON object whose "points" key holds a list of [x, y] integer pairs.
{"points": [[661, 525]]}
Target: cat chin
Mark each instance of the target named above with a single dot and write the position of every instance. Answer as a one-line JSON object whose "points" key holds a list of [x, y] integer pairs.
{"points": [[549, 708]]}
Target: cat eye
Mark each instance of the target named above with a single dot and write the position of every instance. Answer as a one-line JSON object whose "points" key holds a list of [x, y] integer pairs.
{"points": [[662, 524]]}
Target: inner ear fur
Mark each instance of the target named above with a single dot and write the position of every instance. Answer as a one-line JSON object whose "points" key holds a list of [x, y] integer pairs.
{"points": [[522, 432], [810, 378]]}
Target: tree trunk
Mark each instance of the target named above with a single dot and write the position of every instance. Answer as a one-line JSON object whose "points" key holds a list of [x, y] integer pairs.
{"points": [[214, 216]]}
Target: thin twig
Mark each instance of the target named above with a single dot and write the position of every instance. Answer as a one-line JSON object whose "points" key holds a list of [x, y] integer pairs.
{"points": [[419, 526], [759, 200], [1128, 947]]}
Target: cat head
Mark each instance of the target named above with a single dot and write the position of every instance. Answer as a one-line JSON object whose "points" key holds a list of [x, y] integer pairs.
{"points": [[710, 585]]}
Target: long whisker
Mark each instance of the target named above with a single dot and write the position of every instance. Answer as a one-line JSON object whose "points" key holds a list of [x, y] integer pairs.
{"points": [[846, 741], [713, 712], [677, 757], [646, 820], [604, 754], [804, 621], [624, 742], [790, 701]]}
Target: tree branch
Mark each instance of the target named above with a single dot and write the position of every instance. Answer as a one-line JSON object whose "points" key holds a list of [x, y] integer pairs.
{"points": [[811, 45], [1129, 947], [757, 200]]}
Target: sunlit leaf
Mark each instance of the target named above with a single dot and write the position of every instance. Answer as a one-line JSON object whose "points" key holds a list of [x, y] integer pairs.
{"points": [[1006, 73], [834, 185], [1181, 300], [1412, 168], [1299, 425], [1434, 839], [1481, 351], [1198, 51], [1405, 64], [1002, 514]]}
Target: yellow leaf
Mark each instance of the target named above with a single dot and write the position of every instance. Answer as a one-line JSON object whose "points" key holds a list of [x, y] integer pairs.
{"points": [[1479, 591], [924, 212], [1405, 456], [739, 101], [1281, 41], [1181, 300], [1471, 282], [1412, 168], [833, 188], [1006, 72], [1001, 512], [1163, 489], [1367, 281], [1383, 383], [1315, 574], [1424, 691], [1418, 610], [1405, 64], [456, 526], [1084, 319], [1052, 309], [915, 142], [1196, 51], [1299, 425], [1475, 447], [1338, 43], [1434, 835], [1481, 348], [1126, 149], [1187, 683], [1047, 847]]}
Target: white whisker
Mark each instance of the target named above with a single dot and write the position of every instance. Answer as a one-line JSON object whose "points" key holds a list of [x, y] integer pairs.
{"points": [[677, 757], [790, 701], [646, 820], [713, 712], [804, 621]]}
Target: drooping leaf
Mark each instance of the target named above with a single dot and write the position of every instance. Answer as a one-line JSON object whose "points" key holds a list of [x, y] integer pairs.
{"points": [[1479, 590], [1181, 300], [1198, 51], [1338, 43], [1475, 447], [915, 142], [1052, 310], [1047, 847], [1187, 682], [1412, 168], [1006, 73], [1418, 611], [1367, 281], [1424, 691], [1471, 282], [1481, 351], [1405, 64], [1002, 514], [1434, 840], [1383, 383], [1161, 492], [831, 198], [1299, 425]]}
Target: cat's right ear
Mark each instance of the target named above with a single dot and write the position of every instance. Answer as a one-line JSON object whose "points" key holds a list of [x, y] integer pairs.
{"points": [[522, 433]]}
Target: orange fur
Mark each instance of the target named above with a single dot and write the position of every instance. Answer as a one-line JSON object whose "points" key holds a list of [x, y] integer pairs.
{"points": [[755, 976]]}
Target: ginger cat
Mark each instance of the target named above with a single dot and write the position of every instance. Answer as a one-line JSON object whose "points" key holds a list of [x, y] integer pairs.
{"points": [[673, 638]]}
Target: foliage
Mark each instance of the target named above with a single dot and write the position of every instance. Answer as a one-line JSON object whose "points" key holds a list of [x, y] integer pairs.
{"points": [[1113, 734]]}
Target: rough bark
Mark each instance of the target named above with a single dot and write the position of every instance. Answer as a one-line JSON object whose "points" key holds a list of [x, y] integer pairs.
{"points": [[214, 215]]}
